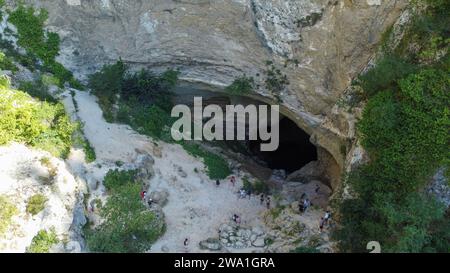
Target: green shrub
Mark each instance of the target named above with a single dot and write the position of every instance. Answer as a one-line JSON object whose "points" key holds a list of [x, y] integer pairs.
{"points": [[48, 80], [305, 249], [7, 211], [89, 151], [114, 179], [275, 80], [43, 241], [39, 124], [128, 227], [107, 84], [36, 204], [38, 90], [241, 86], [6, 63], [217, 166], [145, 99], [384, 74]]}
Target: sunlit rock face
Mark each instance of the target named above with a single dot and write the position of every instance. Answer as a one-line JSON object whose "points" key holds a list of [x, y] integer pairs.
{"points": [[320, 45]]}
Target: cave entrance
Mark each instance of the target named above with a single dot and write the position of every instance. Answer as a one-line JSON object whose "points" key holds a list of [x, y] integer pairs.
{"points": [[294, 151]]}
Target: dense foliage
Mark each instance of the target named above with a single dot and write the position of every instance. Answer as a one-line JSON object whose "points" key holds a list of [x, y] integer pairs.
{"points": [[143, 99], [43, 241], [405, 129], [39, 124], [39, 43], [115, 179], [129, 226]]}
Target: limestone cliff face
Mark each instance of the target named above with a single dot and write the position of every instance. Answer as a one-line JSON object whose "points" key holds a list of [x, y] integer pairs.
{"points": [[320, 45]]}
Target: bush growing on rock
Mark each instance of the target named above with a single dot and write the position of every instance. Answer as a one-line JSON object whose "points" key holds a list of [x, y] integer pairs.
{"points": [[129, 226], [140, 96], [43, 241], [114, 179], [217, 166], [241, 86], [39, 124], [7, 211], [36, 204]]}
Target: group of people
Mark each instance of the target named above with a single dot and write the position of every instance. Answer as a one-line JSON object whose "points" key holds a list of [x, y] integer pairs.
{"points": [[247, 193]]}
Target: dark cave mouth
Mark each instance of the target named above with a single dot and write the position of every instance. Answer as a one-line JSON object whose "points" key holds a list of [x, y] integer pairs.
{"points": [[294, 151]]}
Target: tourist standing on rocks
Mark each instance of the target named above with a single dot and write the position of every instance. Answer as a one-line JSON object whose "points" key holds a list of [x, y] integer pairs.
{"points": [[217, 183], [306, 204], [143, 194], [186, 242], [242, 193], [268, 202], [233, 180], [301, 206], [327, 217], [262, 198], [321, 224]]}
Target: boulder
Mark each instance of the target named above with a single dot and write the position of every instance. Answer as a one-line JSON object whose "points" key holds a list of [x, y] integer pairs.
{"points": [[165, 248], [259, 242], [159, 197], [144, 163], [211, 244], [309, 172]]}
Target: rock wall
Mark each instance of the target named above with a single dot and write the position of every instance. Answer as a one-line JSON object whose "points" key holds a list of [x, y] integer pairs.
{"points": [[320, 45]]}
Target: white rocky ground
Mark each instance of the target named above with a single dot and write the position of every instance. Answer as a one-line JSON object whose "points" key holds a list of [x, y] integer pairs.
{"points": [[22, 175]]}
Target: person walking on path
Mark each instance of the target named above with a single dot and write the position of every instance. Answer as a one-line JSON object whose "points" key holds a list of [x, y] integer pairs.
{"points": [[261, 198], [186, 242], [217, 183], [321, 224]]}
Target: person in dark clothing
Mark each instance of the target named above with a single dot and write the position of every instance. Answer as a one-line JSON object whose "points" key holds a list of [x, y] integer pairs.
{"points": [[262, 198], [317, 188], [301, 208], [321, 224], [217, 183], [268, 202], [186, 242]]}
